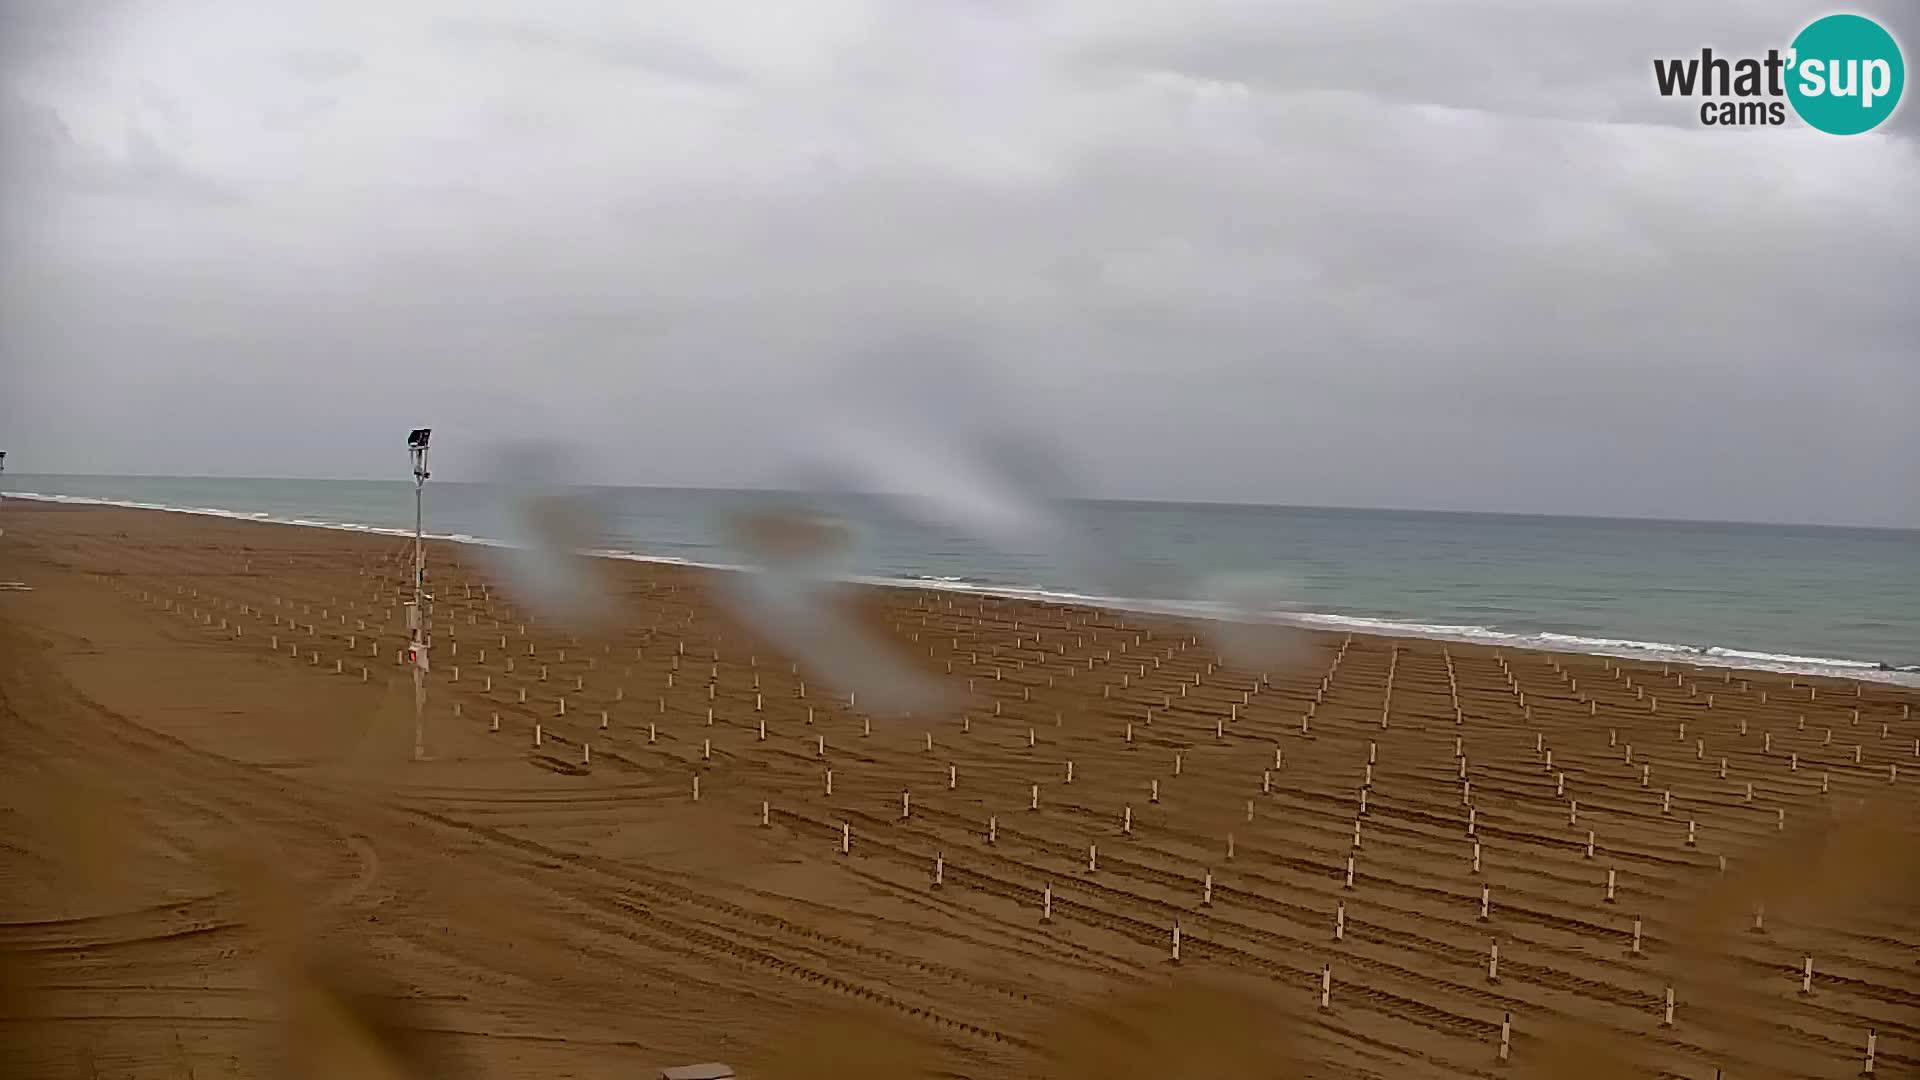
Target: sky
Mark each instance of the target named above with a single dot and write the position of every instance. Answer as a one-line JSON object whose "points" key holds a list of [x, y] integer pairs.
{"points": [[1335, 252]]}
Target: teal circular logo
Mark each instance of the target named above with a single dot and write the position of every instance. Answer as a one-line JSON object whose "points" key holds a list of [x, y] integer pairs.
{"points": [[1845, 74]]}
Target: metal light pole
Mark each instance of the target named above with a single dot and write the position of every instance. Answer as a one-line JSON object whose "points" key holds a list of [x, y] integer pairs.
{"points": [[417, 620]]}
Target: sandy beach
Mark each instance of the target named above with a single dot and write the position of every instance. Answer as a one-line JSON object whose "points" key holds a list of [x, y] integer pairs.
{"points": [[220, 861]]}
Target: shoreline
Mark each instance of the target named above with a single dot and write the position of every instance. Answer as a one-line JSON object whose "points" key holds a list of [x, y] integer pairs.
{"points": [[1715, 657]]}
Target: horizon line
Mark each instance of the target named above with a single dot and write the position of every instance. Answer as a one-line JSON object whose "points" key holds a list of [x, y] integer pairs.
{"points": [[1129, 499]]}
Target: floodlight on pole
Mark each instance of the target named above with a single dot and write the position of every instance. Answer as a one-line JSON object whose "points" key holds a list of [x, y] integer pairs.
{"points": [[417, 620]]}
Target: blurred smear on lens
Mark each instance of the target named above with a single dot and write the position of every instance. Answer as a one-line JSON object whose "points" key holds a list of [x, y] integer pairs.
{"points": [[790, 538], [883, 454], [790, 597], [917, 438], [921, 423], [342, 1021], [951, 482], [548, 525], [1253, 630]]}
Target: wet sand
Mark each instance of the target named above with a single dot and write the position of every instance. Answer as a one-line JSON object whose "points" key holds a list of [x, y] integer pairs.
{"points": [[220, 862]]}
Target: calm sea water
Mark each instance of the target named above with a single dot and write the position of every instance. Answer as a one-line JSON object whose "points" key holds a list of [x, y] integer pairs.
{"points": [[1786, 597]]}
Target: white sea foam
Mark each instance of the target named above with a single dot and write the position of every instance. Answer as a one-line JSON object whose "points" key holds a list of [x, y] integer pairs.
{"points": [[1713, 655], [1485, 635]]}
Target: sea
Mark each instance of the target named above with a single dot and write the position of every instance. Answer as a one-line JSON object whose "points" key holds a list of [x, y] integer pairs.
{"points": [[1810, 599]]}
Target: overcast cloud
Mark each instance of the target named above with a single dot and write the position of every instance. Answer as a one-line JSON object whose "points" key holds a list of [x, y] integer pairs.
{"points": [[1347, 252]]}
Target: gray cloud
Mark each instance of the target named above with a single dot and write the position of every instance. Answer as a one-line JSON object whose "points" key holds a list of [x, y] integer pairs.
{"points": [[38, 152], [35, 31], [1366, 254], [622, 47], [321, 65]]}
